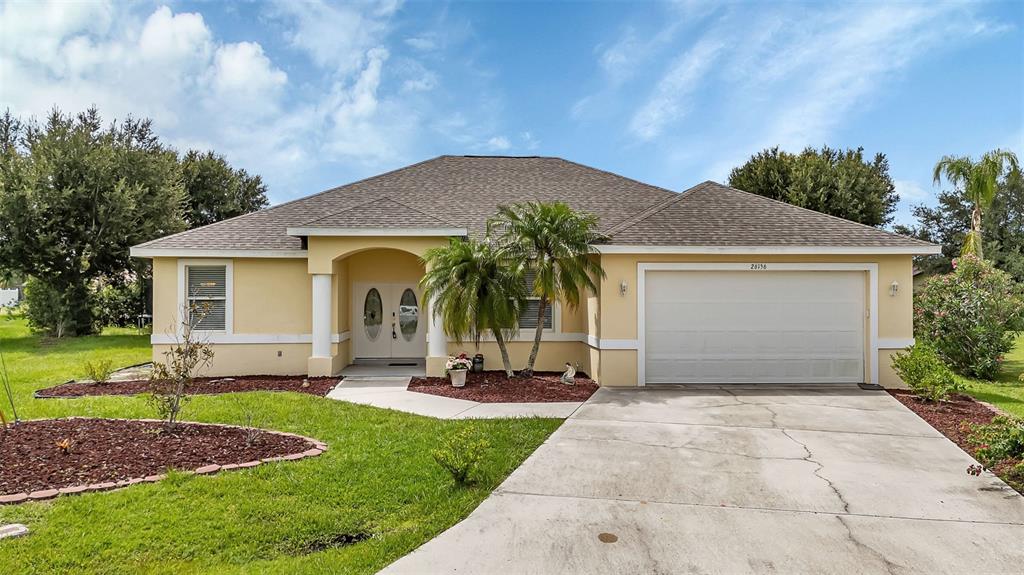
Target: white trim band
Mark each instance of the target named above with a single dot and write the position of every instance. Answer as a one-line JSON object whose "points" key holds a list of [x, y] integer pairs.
{"points": [[251, 338], [769, 250], [137, 252], [402, 232], [895, 342]]}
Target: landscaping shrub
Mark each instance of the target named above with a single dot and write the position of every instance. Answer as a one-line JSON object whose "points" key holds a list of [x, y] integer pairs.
{"points": [[46, 309], [460, 454], [969, 315], [119, 305], [921, 368], [1001, 440], [98, 370]]}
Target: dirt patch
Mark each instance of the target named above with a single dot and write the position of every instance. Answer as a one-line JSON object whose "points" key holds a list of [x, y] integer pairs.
{"points": [[112, 450], [495, 387], [201, 386], [947, 417]]}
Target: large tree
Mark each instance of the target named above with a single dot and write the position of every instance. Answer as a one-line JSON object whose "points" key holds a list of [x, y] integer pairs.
{"points": [[949, 223], [74, 196], [977, 181], [557, 245], [216, 191], [841, 183]]}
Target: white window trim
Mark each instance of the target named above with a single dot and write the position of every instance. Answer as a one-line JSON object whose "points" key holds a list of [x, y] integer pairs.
{"points": [[641, 285], [229, 295]]}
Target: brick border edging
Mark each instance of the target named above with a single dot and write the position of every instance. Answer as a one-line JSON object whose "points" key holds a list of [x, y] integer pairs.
{"points": [[318, 447]]}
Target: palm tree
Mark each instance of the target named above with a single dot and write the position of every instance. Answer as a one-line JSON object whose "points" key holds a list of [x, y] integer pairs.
{"points": [[557, 245], [475, 289], [978, 180]]}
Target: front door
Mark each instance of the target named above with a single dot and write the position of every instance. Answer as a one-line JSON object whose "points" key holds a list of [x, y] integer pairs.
{"points": [[387, 321]]}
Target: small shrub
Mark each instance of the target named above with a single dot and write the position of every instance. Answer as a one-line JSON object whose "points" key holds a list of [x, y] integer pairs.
{"points": [[98, 370], [119, 305], [998, 441], [460, 454], [969, 315], [921, 368]]}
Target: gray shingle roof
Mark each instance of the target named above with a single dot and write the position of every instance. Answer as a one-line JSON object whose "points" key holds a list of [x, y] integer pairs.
{"points": [[710, 214], [463, 191]]}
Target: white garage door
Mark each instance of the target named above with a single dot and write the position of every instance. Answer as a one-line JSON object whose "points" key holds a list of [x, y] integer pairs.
{"points": [[754, 327]]}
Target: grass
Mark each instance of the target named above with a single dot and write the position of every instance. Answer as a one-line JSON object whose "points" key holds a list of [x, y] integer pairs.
{"points": [[378, 477], [1007, 391]]}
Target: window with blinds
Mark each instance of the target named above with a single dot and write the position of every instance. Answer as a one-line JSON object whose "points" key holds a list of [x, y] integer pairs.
{"points": [[206, 293], [528, 319]]}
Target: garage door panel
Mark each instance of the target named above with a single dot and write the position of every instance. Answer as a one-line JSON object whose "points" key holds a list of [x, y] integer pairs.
{"points": [[772, 327]]}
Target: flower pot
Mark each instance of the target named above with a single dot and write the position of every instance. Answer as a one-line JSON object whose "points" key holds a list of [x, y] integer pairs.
{"points": [[458, 377]]}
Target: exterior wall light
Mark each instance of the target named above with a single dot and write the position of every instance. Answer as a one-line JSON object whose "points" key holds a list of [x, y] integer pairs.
{"points": [[623, 287], [894, 289]]}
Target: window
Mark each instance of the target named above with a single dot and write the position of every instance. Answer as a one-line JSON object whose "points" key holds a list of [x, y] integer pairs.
{"points": [[206, 296], [528, 319]]}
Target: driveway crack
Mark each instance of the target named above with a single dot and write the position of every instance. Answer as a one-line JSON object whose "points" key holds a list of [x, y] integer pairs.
{"points": [[809, 457], [890, 567]]}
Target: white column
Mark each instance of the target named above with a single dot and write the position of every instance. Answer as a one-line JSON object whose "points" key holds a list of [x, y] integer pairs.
{"points": [[322, 315], [437, 346]]}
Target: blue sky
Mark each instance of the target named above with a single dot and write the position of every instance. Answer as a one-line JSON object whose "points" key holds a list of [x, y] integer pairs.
{"points": [[311, 95]]}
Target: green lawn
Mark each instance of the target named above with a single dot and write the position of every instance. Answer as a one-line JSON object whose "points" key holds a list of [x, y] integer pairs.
{"points": [[377, 477], [1007, 391]]}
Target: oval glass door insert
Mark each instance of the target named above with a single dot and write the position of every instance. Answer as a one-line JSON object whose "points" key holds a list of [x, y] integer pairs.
{"points": [[373, 314], [408, 315]]}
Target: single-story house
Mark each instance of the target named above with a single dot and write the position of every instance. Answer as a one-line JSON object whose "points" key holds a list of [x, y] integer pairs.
{"points": [[709, 285]]}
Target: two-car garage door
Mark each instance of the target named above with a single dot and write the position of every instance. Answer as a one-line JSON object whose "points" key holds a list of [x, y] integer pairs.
{"points": [[754, 326]]}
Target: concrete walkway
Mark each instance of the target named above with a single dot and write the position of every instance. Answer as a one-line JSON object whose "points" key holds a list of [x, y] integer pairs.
{"points": [[392, 393], [723, 479]]}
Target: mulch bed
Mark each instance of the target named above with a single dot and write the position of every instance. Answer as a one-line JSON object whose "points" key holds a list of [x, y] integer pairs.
{"points": [[108, 451], [201, 386], [947, 418], [494, 387]]}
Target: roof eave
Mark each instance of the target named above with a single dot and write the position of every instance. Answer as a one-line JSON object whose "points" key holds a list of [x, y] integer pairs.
{"points": [[156, 252], [401, 232], [770, 250]]}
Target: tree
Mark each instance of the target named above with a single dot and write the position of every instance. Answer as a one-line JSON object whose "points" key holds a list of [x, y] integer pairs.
{"points": [[475, 289], [182, 363], [977, 181], [556, 243], [836, 182], [949, 223], [216, 191], [75, 196]]}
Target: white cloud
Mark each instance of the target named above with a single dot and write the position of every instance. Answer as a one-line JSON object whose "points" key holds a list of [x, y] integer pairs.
{"points": [[529, 141], [336, 36], [498, 144], [912, 192], [422, 43], [670, 100]]}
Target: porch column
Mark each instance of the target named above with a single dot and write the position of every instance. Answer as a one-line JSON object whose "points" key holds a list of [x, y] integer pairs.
{"points": [[437, 344], [321, 362]]}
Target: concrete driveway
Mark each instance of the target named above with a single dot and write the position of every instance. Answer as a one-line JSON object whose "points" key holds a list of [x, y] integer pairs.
{"points": [[727, 479]]}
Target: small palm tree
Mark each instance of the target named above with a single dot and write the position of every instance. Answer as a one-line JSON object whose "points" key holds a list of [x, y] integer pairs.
{"points": [[978, 181], [557, 245], [475, 289]]}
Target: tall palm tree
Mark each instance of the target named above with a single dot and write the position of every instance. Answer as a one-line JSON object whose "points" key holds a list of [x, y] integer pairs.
{"points": [[475, 289], [978, 181], [556, 243]]}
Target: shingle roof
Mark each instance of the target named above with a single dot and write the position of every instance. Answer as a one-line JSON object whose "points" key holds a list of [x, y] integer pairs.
{"points": [[464, 191], [380, 213], [710, 214]]}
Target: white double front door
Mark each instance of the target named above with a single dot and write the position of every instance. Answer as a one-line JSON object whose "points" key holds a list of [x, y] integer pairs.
{"points": [[387, 321]]}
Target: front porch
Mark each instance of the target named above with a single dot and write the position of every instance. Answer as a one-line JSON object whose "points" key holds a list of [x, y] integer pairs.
{"points": [[368, 314]]}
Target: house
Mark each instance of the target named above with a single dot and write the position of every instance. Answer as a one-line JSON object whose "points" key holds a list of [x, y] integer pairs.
{"points": [[709, 285]]}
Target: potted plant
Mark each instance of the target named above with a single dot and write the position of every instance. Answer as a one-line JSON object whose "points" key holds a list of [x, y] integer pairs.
{"points": [[457, 367]]}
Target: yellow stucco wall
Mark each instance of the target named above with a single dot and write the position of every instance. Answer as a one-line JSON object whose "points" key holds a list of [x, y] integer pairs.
{"points": [[273, 296]]}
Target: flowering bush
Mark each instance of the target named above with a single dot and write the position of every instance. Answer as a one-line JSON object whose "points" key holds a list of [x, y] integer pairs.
{"points": [[459, 362], [922, 369], [1003, 439], [968, 316]]}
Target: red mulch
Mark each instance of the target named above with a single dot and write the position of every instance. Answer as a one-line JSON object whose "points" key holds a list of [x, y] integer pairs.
{"points": [[947, 416], [494, 387], [201, 386], [110, 450]]}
